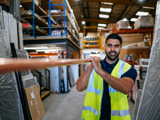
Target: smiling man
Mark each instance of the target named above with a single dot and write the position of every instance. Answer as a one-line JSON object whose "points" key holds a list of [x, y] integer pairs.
{"points": [[107, 84]]}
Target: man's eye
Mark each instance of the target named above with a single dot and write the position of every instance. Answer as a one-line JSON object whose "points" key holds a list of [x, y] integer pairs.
{"points": [[116, 46], [109, 45]]}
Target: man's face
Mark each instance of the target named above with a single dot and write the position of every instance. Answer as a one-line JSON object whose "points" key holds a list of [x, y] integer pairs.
{"points": [[112, 49]]}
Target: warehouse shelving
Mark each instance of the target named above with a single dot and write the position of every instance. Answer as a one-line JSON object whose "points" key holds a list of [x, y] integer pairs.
{"points": [[91, 46], [38, 32], [134, 31], [91, 42], [62, 8], [5, 6], [50, 22]]}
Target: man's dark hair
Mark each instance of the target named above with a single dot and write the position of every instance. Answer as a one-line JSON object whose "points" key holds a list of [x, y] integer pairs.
{"points": [[114, 36]]}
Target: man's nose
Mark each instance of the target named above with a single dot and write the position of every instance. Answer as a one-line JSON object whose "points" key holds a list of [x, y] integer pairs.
{"points": [[112, 48]]}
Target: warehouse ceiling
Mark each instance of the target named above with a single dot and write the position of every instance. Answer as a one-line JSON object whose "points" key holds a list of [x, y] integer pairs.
{"points": [[89, 10]]}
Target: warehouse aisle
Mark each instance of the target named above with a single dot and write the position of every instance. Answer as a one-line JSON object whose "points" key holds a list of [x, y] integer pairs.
{"points": [[64, 106], [67, 106]]}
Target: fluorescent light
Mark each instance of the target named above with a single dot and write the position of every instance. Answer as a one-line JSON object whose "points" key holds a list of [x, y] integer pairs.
{"points": [[107, 3], [100, 28], [83, 22], [142, 13], [124, 19], [103, 16], [148, 7], [133, 19], [105, 9], [46, 51], [102, 25], [31, 48]]}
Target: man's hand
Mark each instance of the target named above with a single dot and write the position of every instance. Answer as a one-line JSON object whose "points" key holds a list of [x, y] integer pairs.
{"points": [[96, 66]]}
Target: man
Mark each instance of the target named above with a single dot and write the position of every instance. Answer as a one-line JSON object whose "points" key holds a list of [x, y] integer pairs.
{"points": [[107, 84]]}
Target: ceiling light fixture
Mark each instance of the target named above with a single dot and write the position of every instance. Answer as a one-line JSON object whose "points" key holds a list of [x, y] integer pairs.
{"points": [[105, 9], [31, 48], [103, 16], [107, 3], [133, 19], [46, 50], [100, 28], [148, 7], [83, 22], [142, 13], [102, 25], [124, 19]]}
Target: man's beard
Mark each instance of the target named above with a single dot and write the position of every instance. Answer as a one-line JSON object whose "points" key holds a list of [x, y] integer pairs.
{"points": [[112, 57]]}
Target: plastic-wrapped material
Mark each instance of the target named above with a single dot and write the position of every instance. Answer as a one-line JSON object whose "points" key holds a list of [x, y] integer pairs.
{"points": [[1, 19], [123, 24], [149, 104], [20, 35], [139, 93], [6, 43], [23, 54], [71, 78], [6, 28], [28, 81], [13, 30], [144, 21], [2, 47], [10, 104]]}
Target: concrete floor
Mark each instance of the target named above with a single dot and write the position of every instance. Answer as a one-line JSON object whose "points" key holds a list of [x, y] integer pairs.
{"points": [[67, 106]]}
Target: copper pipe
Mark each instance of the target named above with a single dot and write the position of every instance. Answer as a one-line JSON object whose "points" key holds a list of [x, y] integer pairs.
{"points": [[8, 65]]}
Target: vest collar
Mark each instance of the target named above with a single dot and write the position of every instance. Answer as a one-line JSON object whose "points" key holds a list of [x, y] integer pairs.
{"points": [[107, 64]]}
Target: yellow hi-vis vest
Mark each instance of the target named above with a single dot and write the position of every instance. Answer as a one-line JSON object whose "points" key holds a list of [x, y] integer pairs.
{"points": [[94, 93]]}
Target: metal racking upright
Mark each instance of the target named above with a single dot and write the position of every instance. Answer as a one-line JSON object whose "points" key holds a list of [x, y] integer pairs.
{"points": [[60, 17], [63, 16]]}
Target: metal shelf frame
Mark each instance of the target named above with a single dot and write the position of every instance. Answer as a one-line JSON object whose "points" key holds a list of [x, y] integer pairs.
{"points": [[63, 15], [33, 20]]}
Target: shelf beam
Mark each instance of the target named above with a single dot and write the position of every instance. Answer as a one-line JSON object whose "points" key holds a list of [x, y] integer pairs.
{"points": [[95, 20], [122, 2]]}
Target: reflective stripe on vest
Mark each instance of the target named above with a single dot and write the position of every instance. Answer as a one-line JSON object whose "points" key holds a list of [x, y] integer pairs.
{"points": [[91, 109], [120, 73], [120, 113], [121, 70], [90, 87]]}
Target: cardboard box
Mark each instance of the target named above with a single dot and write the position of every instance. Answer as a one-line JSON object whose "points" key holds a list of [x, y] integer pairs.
{"points": [[143, 44], [35, 103], [111, 26], [132, 38]]}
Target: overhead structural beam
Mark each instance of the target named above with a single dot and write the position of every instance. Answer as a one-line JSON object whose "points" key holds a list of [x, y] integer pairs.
{"points": [[95, 20], [123, 2], [88, 10], [122, 13]]}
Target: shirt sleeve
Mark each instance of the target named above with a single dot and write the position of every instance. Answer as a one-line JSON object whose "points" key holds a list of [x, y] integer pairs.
{"points": [[131, 73]]}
